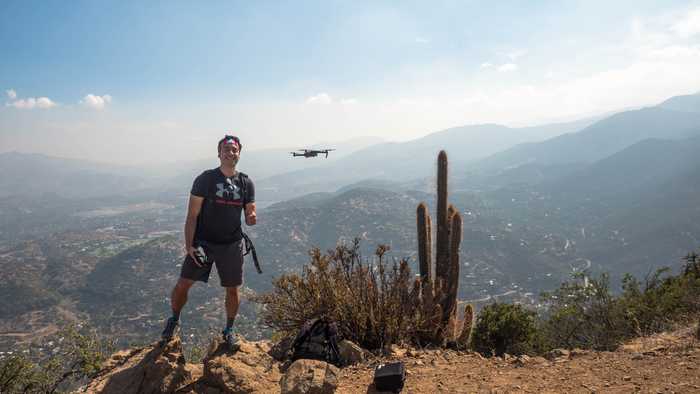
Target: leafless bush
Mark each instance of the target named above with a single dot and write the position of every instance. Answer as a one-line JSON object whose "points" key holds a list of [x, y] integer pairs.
{"points": [[374, 303]]}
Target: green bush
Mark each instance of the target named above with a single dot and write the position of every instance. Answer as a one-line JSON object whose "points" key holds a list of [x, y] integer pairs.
{"points": [[78, 356], [505, 328], [583, 312], [374, 304]]}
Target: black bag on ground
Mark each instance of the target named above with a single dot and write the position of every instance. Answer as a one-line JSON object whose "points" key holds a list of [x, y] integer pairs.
{"points": [[390, 377], [317, 340]]}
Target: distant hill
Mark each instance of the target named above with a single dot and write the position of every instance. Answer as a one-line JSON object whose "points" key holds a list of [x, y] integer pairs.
{"points": [[625, 213], [404, 161], [599, 140], [687, 103], [632, 173], [23, 174]]}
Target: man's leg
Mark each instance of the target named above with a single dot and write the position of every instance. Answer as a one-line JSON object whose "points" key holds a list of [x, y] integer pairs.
{"points": [[178, 299], [232, 302]]}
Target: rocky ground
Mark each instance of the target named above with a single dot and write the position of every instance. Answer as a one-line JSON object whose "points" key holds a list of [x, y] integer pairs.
{"points": [[663, 363]]}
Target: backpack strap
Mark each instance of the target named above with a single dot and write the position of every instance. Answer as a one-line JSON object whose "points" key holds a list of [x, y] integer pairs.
{"points": [[249, 247], [244, 185]]}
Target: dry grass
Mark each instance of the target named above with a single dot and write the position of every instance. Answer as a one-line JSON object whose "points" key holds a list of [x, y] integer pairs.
{"points": [[375, 303]]}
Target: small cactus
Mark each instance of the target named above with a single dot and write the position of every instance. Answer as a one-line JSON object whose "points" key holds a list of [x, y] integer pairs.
{"points": [[468, 323]]}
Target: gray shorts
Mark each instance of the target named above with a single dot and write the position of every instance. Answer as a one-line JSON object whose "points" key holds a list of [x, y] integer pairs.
{"points": [[229, 264]]}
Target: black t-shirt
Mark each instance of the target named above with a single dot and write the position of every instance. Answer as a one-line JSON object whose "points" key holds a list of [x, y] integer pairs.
{"points": [[219, 221]]}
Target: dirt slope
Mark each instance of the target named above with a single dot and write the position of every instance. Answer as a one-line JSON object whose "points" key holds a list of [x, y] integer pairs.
{"points": [[664, 363]]}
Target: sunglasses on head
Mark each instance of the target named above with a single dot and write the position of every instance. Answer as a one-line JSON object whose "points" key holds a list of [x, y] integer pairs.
{"points": [[229, 139]]}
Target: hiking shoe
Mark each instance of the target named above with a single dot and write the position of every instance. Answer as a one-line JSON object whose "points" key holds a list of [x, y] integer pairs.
{"points": [[171, 326], [231, 339]]}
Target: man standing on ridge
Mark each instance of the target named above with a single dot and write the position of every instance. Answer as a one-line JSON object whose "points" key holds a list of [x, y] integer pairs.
{"points": [[213, 226]]}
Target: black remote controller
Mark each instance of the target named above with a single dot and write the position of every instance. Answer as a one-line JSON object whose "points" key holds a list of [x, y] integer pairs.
{"points": [[200, 256]]}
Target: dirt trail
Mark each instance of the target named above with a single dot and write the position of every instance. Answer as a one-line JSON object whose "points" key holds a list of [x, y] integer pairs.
{"points": [[664, 363]]}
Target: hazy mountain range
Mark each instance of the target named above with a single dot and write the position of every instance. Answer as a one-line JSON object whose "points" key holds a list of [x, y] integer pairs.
{"points": [[617, 194]]}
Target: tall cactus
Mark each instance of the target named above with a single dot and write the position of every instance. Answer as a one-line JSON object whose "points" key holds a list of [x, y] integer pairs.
{"points": [[442, 237], [439, 292]]}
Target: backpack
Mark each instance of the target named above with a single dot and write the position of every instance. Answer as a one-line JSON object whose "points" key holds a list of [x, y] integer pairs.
{"points": [[390, 377], [317, 340]]}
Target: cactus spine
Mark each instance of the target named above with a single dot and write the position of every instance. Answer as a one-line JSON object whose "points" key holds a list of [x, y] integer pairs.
{"points": [[439, 292]]}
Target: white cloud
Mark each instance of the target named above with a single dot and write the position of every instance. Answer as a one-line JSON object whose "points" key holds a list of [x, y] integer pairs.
{"points": [[486, 65], [28, 103], [31, 103], [422, 40], [508, 67], [321, 98], [96, 102], [689, 25], [348, 101]]}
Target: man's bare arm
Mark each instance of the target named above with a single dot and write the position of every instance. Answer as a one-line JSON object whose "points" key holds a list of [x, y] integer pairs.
{"points": [[251, 218], [193, 209]]}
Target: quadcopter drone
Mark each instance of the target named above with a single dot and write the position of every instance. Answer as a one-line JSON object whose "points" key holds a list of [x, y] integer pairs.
{"points": [[311, 152]]}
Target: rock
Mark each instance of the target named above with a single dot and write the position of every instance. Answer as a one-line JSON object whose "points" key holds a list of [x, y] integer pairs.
{"points": [[310, 376], [158, 368], [557, 354], [521, 360], [396, 351], [577, 352], [250, 369], [351, 353]]}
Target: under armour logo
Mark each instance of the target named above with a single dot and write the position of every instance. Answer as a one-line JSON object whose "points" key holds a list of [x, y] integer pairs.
{"points": [[228, 190]]}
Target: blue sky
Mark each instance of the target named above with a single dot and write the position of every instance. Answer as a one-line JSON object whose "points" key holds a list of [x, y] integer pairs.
{"points": [[291, 73]]}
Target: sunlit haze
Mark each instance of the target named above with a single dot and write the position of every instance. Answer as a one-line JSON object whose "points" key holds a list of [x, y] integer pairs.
{"points": [[140, 82]]}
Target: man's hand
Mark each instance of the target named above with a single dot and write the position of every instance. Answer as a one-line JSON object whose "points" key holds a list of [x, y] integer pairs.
{"points": [[190, 252], [251, 218]]}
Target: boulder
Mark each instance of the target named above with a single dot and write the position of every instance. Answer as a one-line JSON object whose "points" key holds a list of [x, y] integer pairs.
{"points": [[310, 377], [351, 353], [249, 370], [158, 368]]}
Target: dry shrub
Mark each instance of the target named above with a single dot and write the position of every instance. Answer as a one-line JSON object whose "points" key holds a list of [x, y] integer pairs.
{"points": [[375, 304]]}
